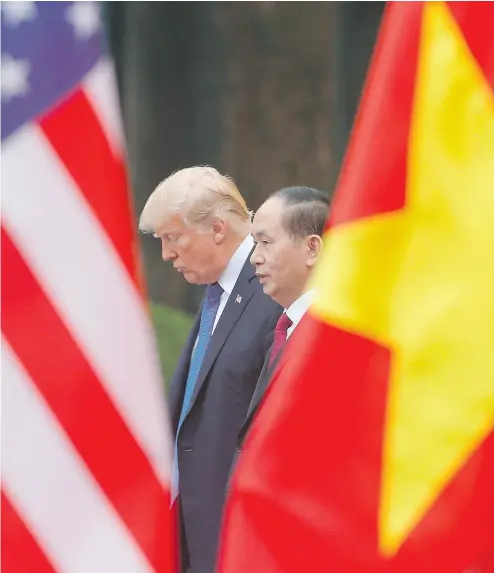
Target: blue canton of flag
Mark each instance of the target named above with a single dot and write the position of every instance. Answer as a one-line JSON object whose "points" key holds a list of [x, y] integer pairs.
{"points": [[42, 59]]}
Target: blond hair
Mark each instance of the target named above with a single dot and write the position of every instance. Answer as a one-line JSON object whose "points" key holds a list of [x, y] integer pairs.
{"points": [[199, 194]]}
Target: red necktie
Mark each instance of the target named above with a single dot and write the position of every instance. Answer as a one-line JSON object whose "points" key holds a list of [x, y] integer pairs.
{"points": [[280, 331]]}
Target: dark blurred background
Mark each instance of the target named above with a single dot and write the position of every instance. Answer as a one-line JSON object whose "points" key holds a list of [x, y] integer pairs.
{"points": [[263, 91]]}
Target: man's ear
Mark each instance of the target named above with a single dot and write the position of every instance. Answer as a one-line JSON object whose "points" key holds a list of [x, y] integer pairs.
{"points": [[219, 230], [314, 247]]}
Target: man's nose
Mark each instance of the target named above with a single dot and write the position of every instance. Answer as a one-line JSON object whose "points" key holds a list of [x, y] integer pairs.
{"points": [[255, 258], [167, 254]]}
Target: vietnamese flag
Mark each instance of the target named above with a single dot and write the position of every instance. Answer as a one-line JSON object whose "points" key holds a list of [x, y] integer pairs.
{"points": [[374, 449]]}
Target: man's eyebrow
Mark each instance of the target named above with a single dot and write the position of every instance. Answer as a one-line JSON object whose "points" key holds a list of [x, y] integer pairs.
{"points": [[260, 233], [161, 234]]}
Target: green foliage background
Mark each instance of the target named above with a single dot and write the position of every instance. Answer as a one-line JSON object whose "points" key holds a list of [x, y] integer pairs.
{"points": [[172, 327]]}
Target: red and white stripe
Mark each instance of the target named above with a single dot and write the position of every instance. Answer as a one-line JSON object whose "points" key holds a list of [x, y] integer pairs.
{"points": [[85, 446]]}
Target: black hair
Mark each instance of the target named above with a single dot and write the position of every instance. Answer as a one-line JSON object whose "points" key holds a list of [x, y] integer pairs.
{"points": [[306, 213]]}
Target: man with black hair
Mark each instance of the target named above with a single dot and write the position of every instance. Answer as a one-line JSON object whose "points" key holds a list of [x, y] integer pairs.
{"points": [[287, 231]]}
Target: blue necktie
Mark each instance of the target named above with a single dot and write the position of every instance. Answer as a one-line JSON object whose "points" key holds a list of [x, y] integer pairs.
{"points": [[209, 310]]}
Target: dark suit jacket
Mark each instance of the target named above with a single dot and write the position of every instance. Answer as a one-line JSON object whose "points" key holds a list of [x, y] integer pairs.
{"points": [[223, 392], [261, 387]]}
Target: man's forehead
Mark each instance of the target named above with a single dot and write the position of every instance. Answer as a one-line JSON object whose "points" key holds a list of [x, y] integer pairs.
{"points": [[171, 224], [268, 216], [269, 229]]}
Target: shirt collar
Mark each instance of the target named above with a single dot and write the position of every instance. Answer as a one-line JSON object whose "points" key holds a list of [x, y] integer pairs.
{"points": [[235, 265], [297, 309]]}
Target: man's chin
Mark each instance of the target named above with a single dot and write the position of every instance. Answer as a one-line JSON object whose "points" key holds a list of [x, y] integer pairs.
{"points": [[193, 279], [267, 290], [190, 277]]}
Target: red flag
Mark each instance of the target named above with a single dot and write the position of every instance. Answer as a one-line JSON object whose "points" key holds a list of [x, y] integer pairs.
{"points": [[85, 452], [374, 449]]}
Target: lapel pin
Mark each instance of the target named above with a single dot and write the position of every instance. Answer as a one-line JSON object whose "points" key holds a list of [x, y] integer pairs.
{"points": [[238, 300]]}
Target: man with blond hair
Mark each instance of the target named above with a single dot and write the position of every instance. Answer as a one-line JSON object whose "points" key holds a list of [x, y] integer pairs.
{"points": [[204, 227]]}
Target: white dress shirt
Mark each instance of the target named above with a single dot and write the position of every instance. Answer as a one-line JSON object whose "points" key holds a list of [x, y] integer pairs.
{"points": [[231, 273], [297, 309], [230, 276]]}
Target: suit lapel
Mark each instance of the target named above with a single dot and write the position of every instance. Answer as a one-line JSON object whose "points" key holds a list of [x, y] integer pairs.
{"points": [[238, 300], [264, 379], [262, 382]]}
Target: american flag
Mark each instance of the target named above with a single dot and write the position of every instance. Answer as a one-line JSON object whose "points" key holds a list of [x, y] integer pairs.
{"points": [[85, 448]]}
